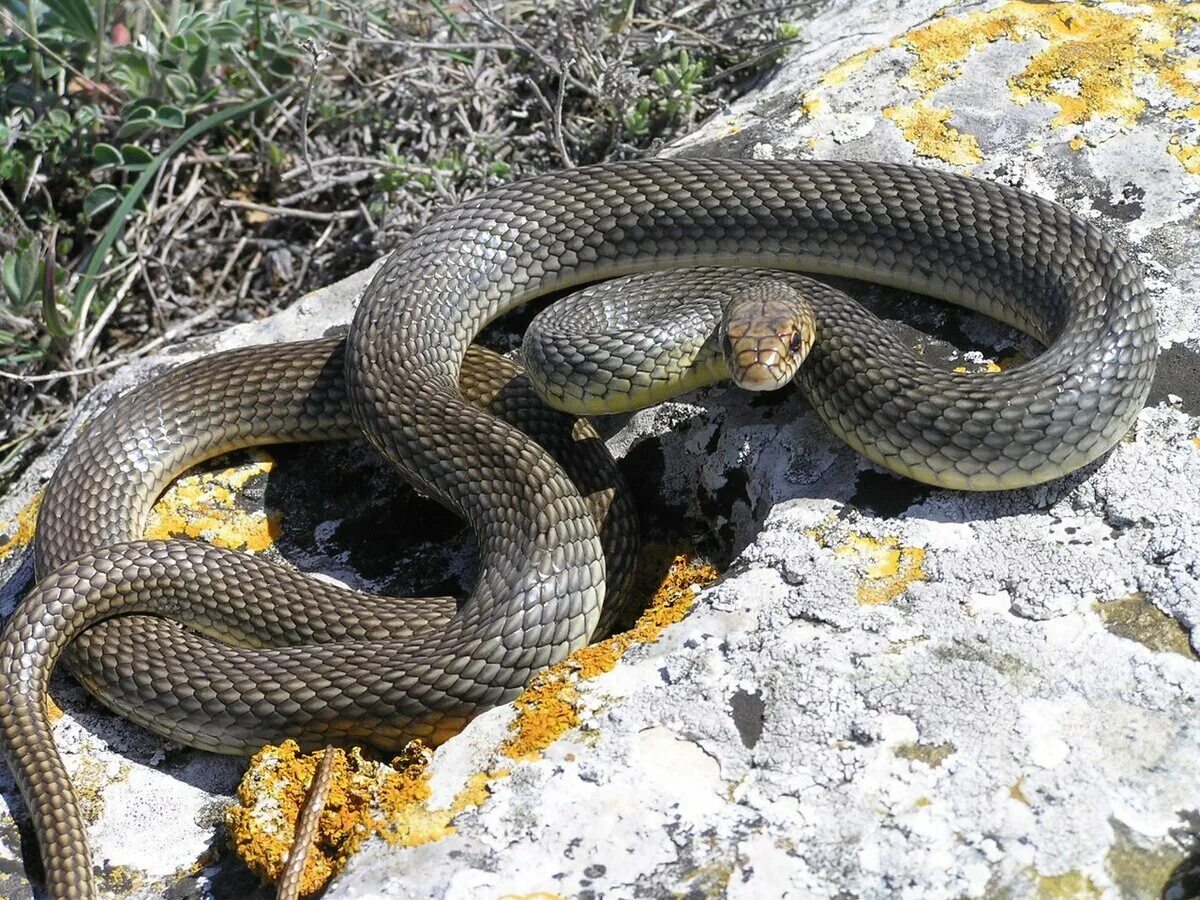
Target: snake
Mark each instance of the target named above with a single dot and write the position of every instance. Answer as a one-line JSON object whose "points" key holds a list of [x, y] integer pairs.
{"points": [[189, 640]]}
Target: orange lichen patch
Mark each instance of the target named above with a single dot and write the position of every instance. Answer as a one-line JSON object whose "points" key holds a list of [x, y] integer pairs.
{"points": [[16, 534], [928, 129], [1077, 143], [369, 798], [205, 506], [366, 799], [1187, 154], [549, 706], [1196, 441], [887, 567]]}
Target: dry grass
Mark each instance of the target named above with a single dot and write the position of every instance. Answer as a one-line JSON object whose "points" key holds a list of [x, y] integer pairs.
{"points": [[408, 109]]}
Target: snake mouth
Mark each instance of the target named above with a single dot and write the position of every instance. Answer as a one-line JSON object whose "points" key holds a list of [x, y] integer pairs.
{"points": [[759, 365]]}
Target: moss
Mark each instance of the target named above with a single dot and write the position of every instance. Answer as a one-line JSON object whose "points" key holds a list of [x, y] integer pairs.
{"points": [[1141, 871], [1137, 619], [933, 755]]}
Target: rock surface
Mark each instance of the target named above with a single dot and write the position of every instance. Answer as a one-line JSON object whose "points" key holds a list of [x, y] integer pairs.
{"points": [[894, 691]]}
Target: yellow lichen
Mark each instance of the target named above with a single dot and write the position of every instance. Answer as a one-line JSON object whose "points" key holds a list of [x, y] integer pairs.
{"points": [[1090, 64], [1187, 154], [986, 368], [1089, 68], [16, 534], [1183, 80], [841, 73], [812, 104], [887, 567], [927, 128], [204, 506], [1140, 871], [549, 706]]}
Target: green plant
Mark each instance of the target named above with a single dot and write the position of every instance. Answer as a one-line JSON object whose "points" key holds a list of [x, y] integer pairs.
{"points": [[22, 276], [675, 84], [87, 121]]}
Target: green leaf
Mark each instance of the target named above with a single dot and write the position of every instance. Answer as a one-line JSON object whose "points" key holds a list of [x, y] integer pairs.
{"points": [[225, 32], [10, 281], [170, 116], [281, 67], [275, 154], [180, 87], [135, 158], [136, 127], [27, 269], [106, 155], [198, 64], [76, 16], [99, 198]]}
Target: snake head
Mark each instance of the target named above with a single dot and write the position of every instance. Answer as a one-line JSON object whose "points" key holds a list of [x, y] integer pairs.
{"points": [[767, 333]]}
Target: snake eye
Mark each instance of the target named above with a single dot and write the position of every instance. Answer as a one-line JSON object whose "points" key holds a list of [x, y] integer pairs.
{"points": [[796, 342]]}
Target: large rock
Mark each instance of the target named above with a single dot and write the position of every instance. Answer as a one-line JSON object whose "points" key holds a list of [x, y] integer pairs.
{"points": [[895, 691], [898, 691]]}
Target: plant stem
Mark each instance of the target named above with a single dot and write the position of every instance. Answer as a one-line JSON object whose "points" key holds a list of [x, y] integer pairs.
{"points": [[101, 34], [35, 55]]}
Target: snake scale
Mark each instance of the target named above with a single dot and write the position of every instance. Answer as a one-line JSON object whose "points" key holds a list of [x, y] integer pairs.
{"points": [[543, 576]]}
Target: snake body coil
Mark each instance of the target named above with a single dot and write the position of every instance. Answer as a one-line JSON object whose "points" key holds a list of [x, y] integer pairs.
{"points": [[541, 589]]}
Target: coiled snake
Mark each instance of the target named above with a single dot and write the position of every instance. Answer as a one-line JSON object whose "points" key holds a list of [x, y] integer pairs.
{"points": [[541, 589]]}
